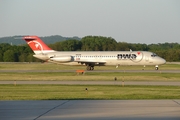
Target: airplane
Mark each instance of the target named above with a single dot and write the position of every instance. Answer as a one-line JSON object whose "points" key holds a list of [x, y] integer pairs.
{"points": [[92, 58]]}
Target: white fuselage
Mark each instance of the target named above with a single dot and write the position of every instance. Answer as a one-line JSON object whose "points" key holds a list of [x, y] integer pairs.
{"points": [[99, 58]]}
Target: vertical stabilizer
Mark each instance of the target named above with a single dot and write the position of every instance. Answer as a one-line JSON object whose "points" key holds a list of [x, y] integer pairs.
{"points": [[37, 45]]}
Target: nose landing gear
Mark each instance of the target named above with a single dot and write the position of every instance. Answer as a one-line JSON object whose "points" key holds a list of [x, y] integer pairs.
{"points": [[156, 67]]}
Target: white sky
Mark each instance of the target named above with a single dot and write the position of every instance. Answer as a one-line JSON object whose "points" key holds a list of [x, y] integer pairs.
{"points": [[132, 21]]}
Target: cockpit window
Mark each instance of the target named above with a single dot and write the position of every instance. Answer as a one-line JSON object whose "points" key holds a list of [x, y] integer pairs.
{"points": [[153, 55]]}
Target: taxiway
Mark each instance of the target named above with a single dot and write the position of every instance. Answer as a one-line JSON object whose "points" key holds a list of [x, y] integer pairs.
{"points": [[166, 83], [90, 109]]}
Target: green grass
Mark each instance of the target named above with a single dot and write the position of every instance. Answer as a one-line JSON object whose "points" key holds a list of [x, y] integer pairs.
{"points": [[97, 92]]}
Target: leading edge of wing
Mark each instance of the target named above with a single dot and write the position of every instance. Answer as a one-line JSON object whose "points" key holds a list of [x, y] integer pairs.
{"points": [[91, 61]]}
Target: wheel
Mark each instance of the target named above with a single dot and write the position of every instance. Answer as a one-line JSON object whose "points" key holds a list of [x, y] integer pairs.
{"points": [[88, 68], [92, 68], [156, 68]]}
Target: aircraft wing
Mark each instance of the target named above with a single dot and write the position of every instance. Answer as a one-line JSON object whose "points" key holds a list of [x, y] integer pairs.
{"points": [[94, 62]]}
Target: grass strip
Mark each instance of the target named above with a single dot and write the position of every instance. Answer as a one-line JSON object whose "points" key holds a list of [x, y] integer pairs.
{"points": [[93, 92]]}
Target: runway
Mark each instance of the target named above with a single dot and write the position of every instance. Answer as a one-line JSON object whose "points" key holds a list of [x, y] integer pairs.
{"points": [[110, 71], [166, 83], [90, 109]]}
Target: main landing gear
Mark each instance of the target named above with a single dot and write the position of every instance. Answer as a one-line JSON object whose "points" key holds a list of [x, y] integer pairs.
{"points": [[90, 67]]}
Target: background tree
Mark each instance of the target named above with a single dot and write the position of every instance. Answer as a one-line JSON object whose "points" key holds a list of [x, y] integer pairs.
{"points": [[1, 56], [10, 56], [98, 43]]}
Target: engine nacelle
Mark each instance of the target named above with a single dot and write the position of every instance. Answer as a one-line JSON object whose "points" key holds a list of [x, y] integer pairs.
{"points": [[62, 58]]}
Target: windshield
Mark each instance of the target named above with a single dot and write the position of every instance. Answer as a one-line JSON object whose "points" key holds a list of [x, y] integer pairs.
{"points": [[153, 55]]}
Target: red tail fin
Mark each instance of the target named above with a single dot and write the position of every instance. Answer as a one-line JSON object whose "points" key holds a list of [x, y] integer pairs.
{"points": [[37, 45]]}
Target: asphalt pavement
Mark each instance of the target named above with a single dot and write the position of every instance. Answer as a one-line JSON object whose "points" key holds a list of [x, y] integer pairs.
{"points": [[90, 110], [166, 83]]}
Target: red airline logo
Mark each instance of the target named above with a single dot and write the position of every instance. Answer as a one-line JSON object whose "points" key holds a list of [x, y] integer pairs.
{"points": [[138, 53]]}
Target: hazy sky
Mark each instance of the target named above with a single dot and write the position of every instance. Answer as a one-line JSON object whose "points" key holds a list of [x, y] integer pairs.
{"points": [[132, 21]]}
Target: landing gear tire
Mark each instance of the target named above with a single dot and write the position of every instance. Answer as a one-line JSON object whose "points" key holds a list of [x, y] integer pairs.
{"points": [[156, 67], [90, 68]]}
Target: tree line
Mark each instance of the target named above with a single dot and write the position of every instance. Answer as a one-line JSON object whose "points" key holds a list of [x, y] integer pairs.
{"points": [[17, 40], [23, 53]]}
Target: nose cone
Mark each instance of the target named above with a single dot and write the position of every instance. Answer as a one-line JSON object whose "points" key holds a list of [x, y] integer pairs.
{"points": [[162, 61]]}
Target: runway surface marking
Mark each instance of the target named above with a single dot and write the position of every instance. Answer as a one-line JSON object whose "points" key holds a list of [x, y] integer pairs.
{"points": [[52, 109]]}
